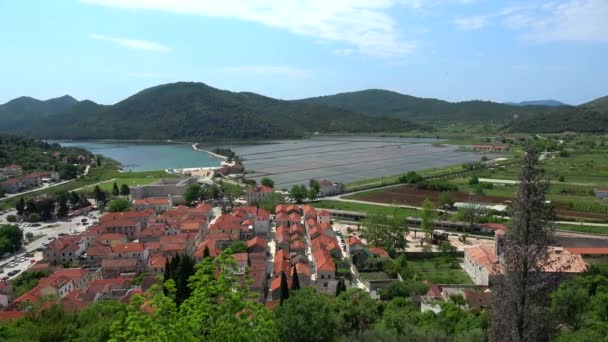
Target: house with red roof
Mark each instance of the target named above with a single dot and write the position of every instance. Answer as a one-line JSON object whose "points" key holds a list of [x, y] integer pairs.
{"points": [[158, 204], [259, 218], [136, 250], [12, 170], [309, 212], [282, 237], [379, 252], [323, 216], [156, 264], [492, 227], [210, 243], [354, 245], [142, 217], [257, 245], [229, 225], [111, 239], [130, 228], [65, 249], [258, 193], [96, 253], [114, 268]]}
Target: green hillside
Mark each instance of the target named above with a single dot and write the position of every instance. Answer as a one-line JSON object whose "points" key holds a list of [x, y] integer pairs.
{"points": [[196, 111], [591, 117], [21, 111], [377, 102]]}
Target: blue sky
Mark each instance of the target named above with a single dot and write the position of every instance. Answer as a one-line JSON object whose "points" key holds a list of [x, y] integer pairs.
{"points": [[106, 50]]}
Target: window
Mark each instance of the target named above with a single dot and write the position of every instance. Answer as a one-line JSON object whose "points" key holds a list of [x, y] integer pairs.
{"points": [[324, 284], [322, 276]]}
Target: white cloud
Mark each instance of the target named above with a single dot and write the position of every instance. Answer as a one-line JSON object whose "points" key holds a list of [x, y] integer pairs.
{"points": [[471, 23], [266, 70], [574, 21], [132, 43], [362, 24]]}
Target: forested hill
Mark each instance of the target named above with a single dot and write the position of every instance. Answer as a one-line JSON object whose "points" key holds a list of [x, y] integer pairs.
{"points": [[196, 111], [377, 102], [21, 111], [589, 117]]}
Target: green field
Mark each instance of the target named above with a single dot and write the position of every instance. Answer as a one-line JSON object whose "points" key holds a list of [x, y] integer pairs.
{"points": [[106, 172], [583, 229], [366, 208], [438, 270]]}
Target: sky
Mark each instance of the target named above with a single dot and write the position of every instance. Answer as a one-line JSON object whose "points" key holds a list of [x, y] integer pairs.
{"points": [[504, 51]]}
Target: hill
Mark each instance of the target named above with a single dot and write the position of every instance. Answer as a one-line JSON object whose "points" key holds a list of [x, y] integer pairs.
{"points": [[384, 103], [187, 110], [591, 117], [19, 112], [546, 103]]}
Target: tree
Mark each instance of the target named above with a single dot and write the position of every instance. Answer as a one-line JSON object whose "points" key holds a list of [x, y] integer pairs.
{"points": [[445, 199], [20, 206], [314, 184], [427, 215], [284, 290], [295, 280], [355, 311], [219, 309], [313, 193], [306, 316], [10, 238], [119, 204], [98, 160], [115, 191], [403, 289], [569, 303], [267, 182], [192, 193], [99, 195], [298, 193], [124, 190], [522, 291], [206, 252], [62, 206]]}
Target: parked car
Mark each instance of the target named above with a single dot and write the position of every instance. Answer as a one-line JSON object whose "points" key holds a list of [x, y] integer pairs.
{"points": [[13, 272]]}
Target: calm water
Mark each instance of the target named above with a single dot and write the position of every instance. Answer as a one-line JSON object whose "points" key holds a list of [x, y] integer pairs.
{"points": [[143, 156], [288, 162]]}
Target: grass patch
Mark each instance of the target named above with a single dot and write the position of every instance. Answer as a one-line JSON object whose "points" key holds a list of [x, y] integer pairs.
{"points": [[366, 208], [107, 171], [439, 270], [583, 229]]}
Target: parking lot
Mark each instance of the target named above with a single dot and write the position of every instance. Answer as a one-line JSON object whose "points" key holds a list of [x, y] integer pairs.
{"points": [[44, 233]]}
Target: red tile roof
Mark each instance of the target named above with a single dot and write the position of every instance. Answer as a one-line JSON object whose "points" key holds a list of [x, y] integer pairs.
{"points": [[257, 241], [379, 251], [131, 247], [588, 250], [354, 240]]}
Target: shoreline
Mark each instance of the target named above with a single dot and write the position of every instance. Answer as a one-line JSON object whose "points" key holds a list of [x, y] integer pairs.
{"points": [[219, 156]]}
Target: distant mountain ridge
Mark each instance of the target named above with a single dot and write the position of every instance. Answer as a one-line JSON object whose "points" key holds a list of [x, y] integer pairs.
{"points": [[384, 103], [547, 103], [188, 110]]}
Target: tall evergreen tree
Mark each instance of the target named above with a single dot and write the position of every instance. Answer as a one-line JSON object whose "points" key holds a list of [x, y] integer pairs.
{"points": [[115, 191], [62, 206], [284, 288], [295, 280], [341, 287], [20, 206], [124, 190], [167, 273], [206, 252], [522, 291]]}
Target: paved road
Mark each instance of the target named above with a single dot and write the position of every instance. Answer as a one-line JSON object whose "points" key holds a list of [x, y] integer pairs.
{"points": [[9, 196]]}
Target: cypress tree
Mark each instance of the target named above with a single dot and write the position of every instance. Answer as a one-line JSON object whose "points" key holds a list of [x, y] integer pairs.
{"points": [[167, 273], [115, 191], [341, 287], [284, 288], [206, 252], [295, 280]]}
